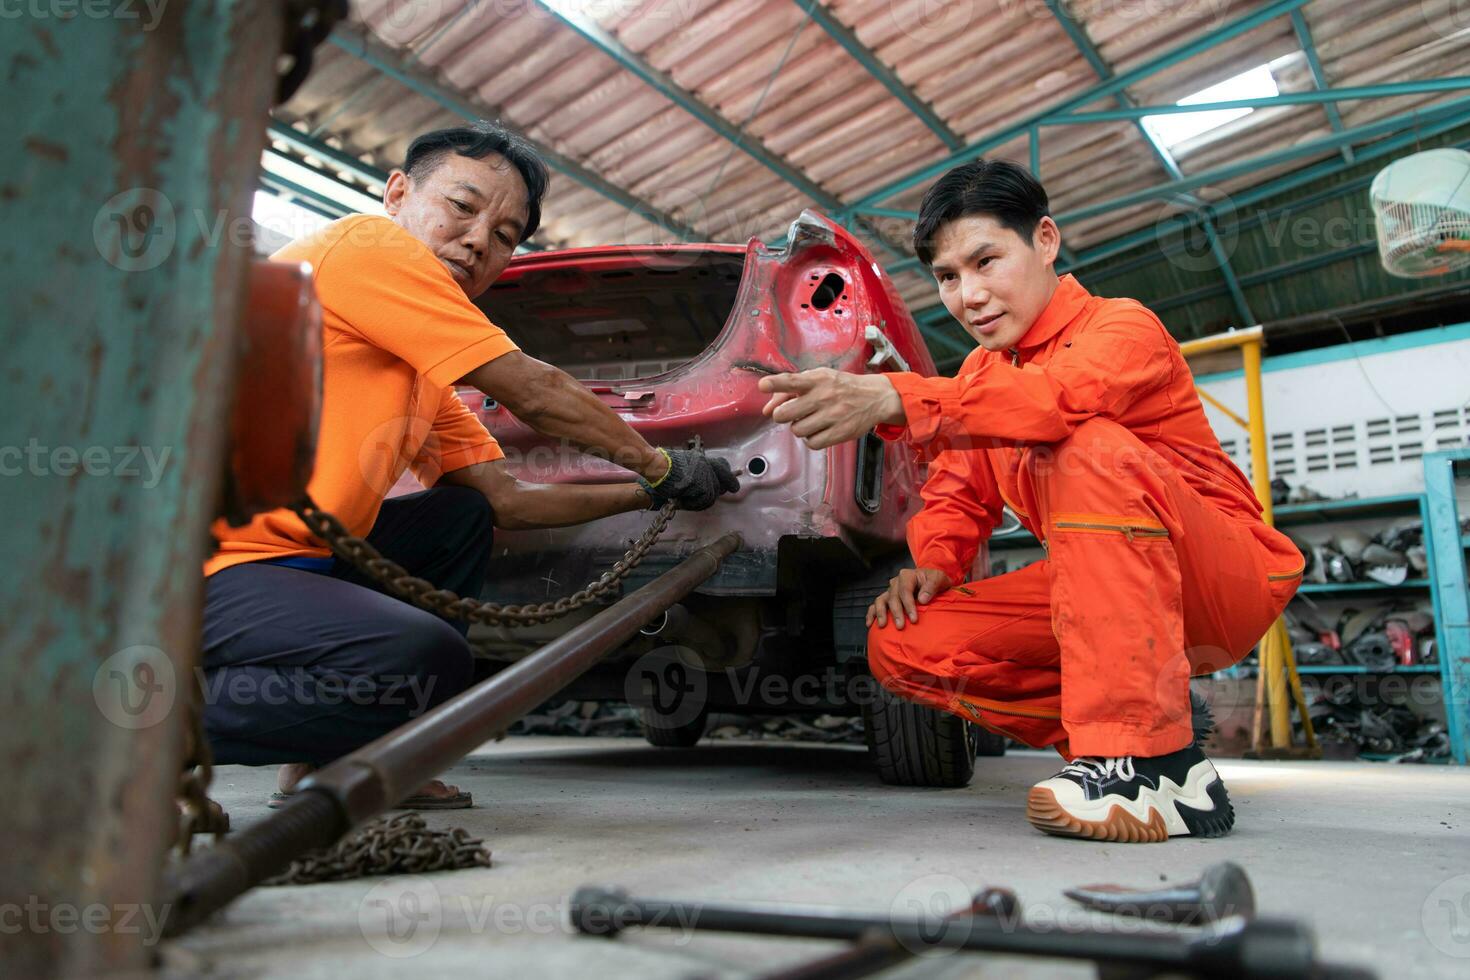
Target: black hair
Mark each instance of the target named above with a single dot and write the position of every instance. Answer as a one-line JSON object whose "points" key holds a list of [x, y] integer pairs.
{"points": [[998, 188], [477, 141]]}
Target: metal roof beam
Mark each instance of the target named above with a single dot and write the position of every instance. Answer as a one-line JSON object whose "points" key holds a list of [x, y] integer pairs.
{"points": [[340, 160], [383, 59], [1327, 96], [1118, 83], [1458, 109], [1083, 43], [1319, 77], [1254, 221], [305, 197], [1127, 243], [629, 60], [846, 37], [1310, 263]]}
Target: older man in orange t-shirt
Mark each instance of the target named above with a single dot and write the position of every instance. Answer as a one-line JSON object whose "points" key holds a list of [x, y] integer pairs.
{"points": [[305, 659]]}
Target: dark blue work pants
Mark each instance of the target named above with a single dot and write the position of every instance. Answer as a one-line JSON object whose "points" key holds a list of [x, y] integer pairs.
{"points": [[306, 666]]}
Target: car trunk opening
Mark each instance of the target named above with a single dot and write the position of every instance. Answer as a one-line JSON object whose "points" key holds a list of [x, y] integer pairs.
{"points": [[620, 316]]}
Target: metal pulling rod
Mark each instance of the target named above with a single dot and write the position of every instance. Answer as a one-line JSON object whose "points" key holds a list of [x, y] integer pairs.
{"points": [[878, 950], [1231, 948], [364, 783]]}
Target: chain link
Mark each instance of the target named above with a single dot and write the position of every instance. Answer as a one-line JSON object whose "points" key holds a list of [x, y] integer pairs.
{"points": [[402, 844], [361, 555], [198, 814]]}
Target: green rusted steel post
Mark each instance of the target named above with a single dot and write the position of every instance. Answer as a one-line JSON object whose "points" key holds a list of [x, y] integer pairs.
{"points": [[126, 177]]}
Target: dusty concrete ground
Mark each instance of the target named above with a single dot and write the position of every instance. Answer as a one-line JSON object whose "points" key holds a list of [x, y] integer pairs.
{"points": [[1376, 857]]}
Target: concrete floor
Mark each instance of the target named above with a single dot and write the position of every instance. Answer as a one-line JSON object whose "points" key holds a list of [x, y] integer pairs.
{"points": [[1376, 857]]}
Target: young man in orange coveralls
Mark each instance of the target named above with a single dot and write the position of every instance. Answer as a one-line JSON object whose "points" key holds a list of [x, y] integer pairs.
{"points": [[1081, 414]]}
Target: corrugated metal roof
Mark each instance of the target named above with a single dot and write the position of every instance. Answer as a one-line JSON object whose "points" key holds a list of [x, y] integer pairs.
{"points": [[795, 93]]}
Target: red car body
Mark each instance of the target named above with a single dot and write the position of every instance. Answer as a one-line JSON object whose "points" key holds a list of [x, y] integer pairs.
{"points": [[675, 340], [806, 305]]}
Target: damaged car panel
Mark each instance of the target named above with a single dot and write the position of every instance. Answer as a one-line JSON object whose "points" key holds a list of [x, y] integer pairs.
{"points": [[675, 340]]}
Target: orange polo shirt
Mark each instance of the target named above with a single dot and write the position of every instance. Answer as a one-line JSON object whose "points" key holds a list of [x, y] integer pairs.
{"points": [[397, 332], [1084, 357]]}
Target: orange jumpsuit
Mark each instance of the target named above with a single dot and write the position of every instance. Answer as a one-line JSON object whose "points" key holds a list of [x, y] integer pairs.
{"points": [[1158, 565]]}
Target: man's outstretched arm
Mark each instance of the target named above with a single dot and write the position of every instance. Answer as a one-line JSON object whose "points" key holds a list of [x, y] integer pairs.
{"points": [[557, 405], [520, 505]]}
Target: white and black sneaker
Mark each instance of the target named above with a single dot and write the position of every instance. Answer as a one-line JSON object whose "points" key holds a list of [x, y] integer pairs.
{"points": [[1134, 799]]}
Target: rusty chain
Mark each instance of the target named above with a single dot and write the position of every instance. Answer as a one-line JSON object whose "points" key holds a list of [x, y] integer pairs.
{"points": [[402, 844], [307, 24], [398, 844], [198, 814], [361, 555]]}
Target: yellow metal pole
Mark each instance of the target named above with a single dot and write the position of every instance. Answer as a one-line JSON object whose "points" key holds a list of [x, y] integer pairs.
{"points": [[1275, 652], [1258, 711], [1225, 409], [1223, 341], [1288, 657], [1255, 412]]}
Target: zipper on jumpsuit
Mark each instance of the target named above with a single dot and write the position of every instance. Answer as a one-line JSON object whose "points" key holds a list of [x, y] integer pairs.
{"points": [[1129, 531]]}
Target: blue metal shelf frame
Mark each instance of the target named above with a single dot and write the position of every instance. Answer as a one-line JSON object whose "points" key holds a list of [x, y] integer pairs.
{"points": [[1451, 591], [1313, 588], [1360, 669]]}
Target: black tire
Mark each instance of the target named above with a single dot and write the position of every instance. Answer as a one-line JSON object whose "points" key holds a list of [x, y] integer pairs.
{"points": [[912, 745], [660, 731], [989, 743]]}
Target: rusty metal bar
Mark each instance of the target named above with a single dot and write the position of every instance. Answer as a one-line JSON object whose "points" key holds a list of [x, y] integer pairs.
{"points": [[370, 780], [134, 145]]}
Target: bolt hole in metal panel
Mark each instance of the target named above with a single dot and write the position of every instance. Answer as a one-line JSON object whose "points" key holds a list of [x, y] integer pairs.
{"points": [[828, 291], [868, 487]]}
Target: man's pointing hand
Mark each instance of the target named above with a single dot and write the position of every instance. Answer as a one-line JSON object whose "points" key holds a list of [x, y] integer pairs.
{"points": [[825, 407]]}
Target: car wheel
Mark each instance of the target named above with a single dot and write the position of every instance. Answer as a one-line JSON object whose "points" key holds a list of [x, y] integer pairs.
{"points": [[989, 743], [914, 745], [666, 733]]}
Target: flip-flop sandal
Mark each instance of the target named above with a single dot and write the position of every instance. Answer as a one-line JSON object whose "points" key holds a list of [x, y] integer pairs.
{"points": [[459, 801]]}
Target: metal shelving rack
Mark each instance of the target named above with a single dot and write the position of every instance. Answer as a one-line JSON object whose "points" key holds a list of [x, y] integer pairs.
{"points": [[1446, 547], [1397, 505]]}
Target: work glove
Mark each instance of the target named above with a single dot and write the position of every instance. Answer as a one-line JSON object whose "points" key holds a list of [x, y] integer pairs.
{"points": [[693, 481]]}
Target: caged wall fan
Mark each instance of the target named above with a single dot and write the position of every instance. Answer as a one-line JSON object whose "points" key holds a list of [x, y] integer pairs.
{"points": [[1422, 206]]}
